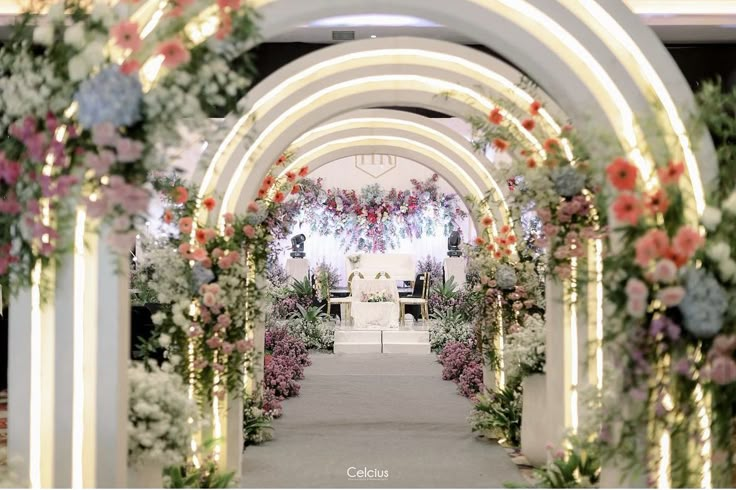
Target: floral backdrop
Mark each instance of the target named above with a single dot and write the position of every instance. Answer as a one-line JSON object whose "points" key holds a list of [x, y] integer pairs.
{"points": [[374, 219]]}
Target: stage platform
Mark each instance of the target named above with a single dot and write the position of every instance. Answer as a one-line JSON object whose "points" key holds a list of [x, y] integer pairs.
{"points": [[389, 341]]}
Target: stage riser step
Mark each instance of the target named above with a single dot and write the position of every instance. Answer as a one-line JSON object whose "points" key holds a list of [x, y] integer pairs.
{"points": [[406, 349]]}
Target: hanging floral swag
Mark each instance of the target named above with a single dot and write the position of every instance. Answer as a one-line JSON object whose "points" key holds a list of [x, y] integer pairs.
{"points": [[79, 129], [205, 280], [373, 219]]}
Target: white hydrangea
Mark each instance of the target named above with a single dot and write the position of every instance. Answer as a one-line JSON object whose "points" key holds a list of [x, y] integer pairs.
{"points": [[158, 416], [729, 205], [44, 34], [727, 270], [524, 351], [75, 35], [718, 251], [711, 218]]}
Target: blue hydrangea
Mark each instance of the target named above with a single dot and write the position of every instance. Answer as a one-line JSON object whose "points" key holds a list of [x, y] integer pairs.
{"points": [[200, 276], [506, 277], [704, 304], [568, 181], [110, 96]]}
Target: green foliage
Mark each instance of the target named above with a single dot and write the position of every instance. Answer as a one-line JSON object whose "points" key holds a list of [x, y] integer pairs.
{"points": [[718, 114], [302, 288], [499, 413], [312, 315], [257, 426], [313, 327], [448, 326], [578, 467], [207, 475]]}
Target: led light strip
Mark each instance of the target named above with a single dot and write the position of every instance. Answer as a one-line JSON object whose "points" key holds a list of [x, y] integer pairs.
{"points": [[78, 358], [35, 442]]}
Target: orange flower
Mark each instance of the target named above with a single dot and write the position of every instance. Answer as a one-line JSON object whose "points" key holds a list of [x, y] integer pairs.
{"points": [[500, 144], [487, 221], [268, 181], [303, 171], [507, 251], [627, 208], [129, 67], [528, 124], [671, 173], [495, 116], [505, 229], [228, 217], [534, 107], [180, 195], [185, 225], [174, 53], [498, 254], [686, 241], [168, 216], [657, 202], [531, 163], [622, 174], [511, 239], [479, 241], [290, 176], [209, 203], [279, 197], [524, 153], [199, 255], [551, 145], [200, 236], [490, 247], [295, 189], [262, 192], [281, 160]]}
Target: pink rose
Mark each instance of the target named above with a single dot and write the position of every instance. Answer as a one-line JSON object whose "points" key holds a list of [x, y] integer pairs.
{"points": [[636, 307], [636, 289], [228, 217], [214, 342], [224, 320], [195, 330], [217, 253], [208, 299], [244, 345], [227, 347], [723, 370], [104, 134], [665, 271], [229, 231], [249, 231], [671, 296]]}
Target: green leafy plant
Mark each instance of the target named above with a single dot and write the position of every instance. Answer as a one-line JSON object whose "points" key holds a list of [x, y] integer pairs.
{"points": [[313, 327], [302, 288], [448, 326], [577, 467], [499, 413], [207, 475], [257, 426]]}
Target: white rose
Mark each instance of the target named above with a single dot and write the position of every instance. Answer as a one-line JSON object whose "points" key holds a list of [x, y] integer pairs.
{"points": [[164, 340], [727, 269], [93, 54], [718, 252], [78, 68], [729, 205], [711, 218], [175, 360], [102, 12], [44, 34], [75, 35], [158, 317]]}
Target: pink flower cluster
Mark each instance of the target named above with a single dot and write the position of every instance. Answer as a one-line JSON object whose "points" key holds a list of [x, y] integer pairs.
{"points": [[285, 365], [463, 364], [721, 367]]}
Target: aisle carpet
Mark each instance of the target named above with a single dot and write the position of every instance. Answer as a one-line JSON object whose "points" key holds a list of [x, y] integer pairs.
{"points": [[382, 414]]}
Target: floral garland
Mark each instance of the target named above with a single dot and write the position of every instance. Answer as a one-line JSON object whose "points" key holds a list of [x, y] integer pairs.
{"points": [[79, 129], [555, 181], [201, 277], [373, 220]]}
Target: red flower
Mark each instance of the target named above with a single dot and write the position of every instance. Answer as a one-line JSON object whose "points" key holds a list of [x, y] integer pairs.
{"points": [[262, 192], [511, 239], [505, 229], [487, 221], [498, 254], [303, 171], [209, 203], [129, 67], [627, 208], [490, 247], [295, 189], [495, 116], [168, 216], [657, 202], [279, 197], [507, 251], [534, 107], [671, 173], [500, 144], [200, 235], [174, 53], [551, 145], [281, 160], [622, 174], [687, 241], [180, 195], [528, 124], [531, 163], [479, 241], [126, 35], [225, 28], [233, 4], [290, 176], [268, 181]]}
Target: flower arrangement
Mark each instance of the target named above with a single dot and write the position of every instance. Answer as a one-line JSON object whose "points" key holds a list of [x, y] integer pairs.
{"points": [[374, 219], [79, 127], [280, 376], [382, 296], [524, 348], [325, 279], [454, 356], [448, 326], [497, 414], [257, 427], [159, 411]]}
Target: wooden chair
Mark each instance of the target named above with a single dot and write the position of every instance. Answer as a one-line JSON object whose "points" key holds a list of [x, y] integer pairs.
{"points": [[383, 275], [345, 300], [419, 297]]}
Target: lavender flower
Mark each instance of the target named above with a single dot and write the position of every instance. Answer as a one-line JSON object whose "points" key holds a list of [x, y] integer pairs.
{"points": [[704, 304], [110, 96]]}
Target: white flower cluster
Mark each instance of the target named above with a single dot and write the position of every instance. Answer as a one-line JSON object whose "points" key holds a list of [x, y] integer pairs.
{"points": [[720, 253], [159, 414], [170, 275], [29, 86], [524, 352]]}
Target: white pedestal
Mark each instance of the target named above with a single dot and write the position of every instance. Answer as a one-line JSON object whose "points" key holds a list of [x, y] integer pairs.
{"points": [[455, 267], [533, 420], [297, 269], [357, 342]]}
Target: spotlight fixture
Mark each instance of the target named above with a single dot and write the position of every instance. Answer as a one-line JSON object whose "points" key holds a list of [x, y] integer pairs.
{"points": [[453, 245], [297, 246]]}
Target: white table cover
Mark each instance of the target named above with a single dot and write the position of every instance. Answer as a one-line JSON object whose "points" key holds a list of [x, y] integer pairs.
{"points": [[374, 315], [455, 267], [297, 269]]}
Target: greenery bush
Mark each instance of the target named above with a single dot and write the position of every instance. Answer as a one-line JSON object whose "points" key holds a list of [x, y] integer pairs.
{"points": [[499, 413], [577, 467], [448, 326]]}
